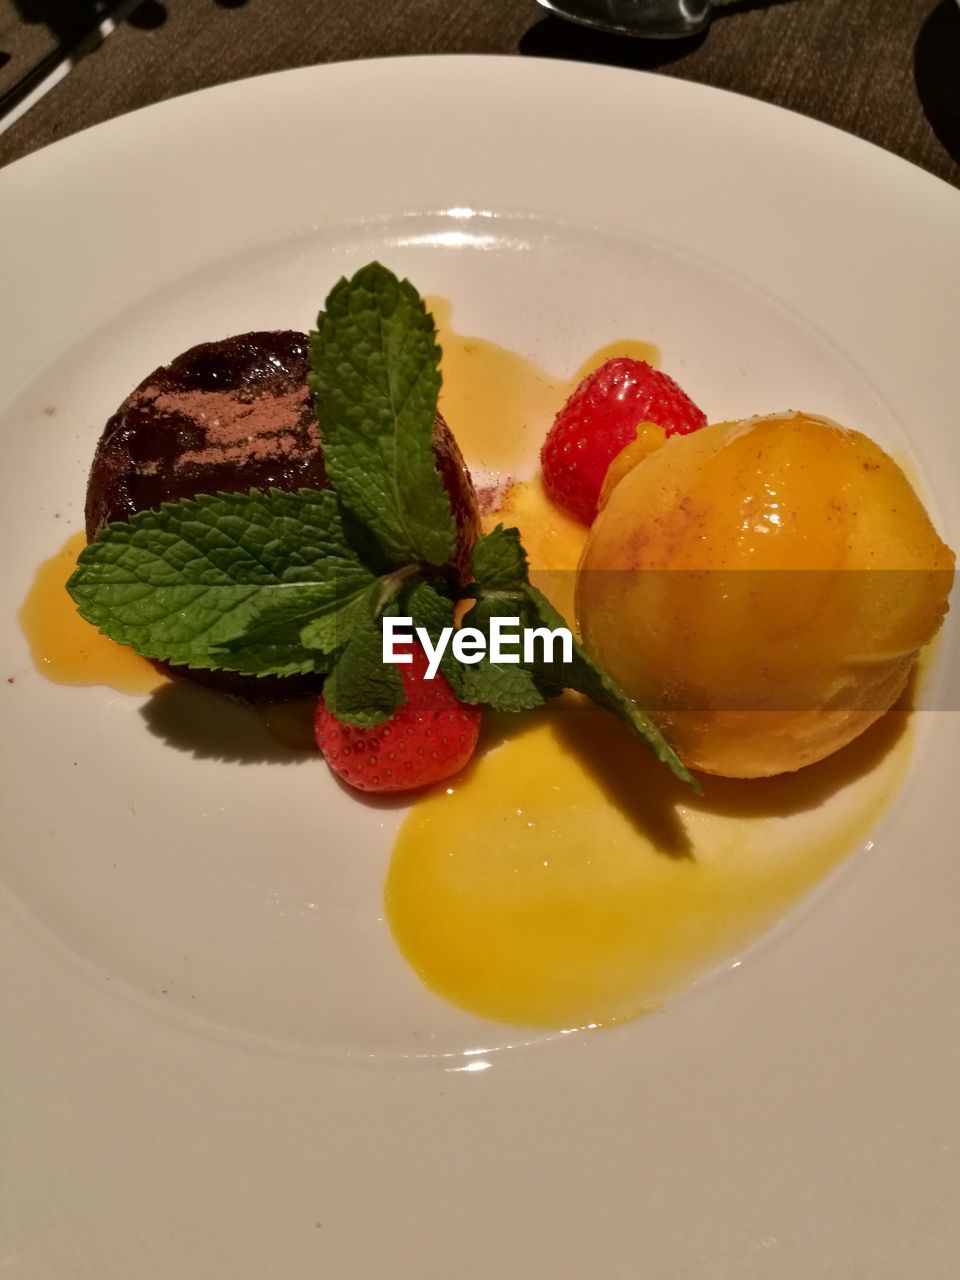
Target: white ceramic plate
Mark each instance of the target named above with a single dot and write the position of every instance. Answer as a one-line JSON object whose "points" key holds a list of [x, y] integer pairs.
{"points": [[215, 1062]]}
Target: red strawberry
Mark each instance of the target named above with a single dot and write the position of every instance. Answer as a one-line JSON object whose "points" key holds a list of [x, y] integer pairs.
{"points": [[431, 737], [600, 419]]}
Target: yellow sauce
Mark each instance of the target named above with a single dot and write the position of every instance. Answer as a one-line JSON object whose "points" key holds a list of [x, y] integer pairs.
{"points": [[64, 647], [566, 880], [500, 405]]}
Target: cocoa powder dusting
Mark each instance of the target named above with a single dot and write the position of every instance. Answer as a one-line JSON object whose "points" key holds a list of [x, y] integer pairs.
{"points": [[250, 449], [231, 424]]}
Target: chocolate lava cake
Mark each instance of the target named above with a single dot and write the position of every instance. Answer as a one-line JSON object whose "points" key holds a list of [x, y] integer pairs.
{"points": [[235, 415]]}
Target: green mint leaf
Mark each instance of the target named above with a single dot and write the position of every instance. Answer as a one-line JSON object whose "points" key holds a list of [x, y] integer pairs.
{"points": [[431, 609], [499, 565], [503, 688], [309, 617], [428, 607], [585, 676], [362, 689], [510, 686], [265, 658], [499, 561], [328, 632], [376, 378], [221, 580]]}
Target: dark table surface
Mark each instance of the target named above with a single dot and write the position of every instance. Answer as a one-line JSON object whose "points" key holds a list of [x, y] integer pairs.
{"points": [[886, 70]]}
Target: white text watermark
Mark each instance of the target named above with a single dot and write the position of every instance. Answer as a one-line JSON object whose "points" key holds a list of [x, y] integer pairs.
{"points": [[507, 642]]}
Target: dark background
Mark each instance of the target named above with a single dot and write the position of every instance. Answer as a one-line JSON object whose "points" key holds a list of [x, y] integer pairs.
{"points": [[887, 70]]}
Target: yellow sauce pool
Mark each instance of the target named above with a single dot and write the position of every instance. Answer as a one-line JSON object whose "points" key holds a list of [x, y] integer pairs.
{"points": [[566, 880], [64, 647]]}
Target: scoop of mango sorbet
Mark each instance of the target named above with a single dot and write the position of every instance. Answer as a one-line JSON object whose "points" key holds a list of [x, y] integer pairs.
{"points": [[762, 589]]}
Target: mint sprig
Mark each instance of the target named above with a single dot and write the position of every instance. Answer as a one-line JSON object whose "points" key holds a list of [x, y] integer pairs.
{"points": [[361, 688], [282, 583], [376, 380]]}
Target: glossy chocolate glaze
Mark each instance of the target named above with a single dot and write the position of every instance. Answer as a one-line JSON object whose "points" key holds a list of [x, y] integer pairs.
{"points": [[235, 415]]}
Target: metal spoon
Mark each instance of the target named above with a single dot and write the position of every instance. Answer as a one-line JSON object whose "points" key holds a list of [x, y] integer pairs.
{"points": [[652, 19]]}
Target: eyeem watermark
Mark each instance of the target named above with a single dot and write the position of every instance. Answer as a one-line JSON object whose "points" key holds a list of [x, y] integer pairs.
{"points": [[508, 642]]}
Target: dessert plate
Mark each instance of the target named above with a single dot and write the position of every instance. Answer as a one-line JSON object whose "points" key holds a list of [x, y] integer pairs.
{"points": [[216, 1063]]}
